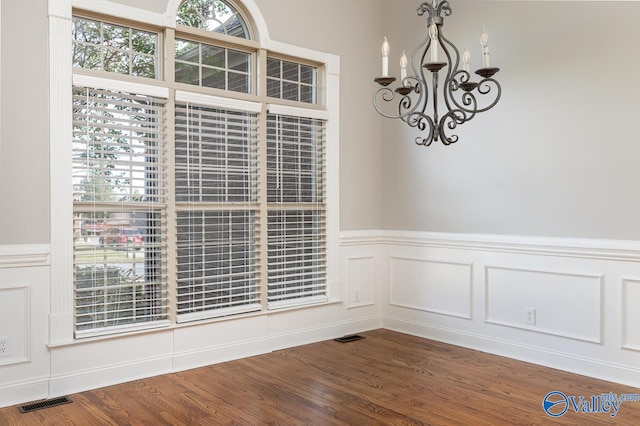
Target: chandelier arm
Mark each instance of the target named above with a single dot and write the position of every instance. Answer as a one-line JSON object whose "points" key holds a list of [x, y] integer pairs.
{"points": [[451, 69], [386, 95], [444, 8], [484, 88], [469, 100], [420, 72], [404, 103], [469, 103], [422, 47], [463, 76], [452, 119], [427, 8], [420, 121]]}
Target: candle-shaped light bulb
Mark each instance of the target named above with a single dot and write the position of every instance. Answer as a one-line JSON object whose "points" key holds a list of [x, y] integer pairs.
{"points": [[466, 56], [385, 58], [403, 66], [484, 41], [433, 34]]}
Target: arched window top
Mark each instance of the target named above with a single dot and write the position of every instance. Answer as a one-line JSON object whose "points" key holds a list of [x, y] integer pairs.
{"points": [[213, 15]]}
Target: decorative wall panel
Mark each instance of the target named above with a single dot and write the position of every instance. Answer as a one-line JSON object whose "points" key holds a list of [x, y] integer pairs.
{"points": [[429, 285]]}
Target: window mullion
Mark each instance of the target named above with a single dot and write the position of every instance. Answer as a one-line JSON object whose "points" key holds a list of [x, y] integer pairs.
{"points": [[262, 182], [172, 223], [168, 65], [167, 70], [262, 242]]}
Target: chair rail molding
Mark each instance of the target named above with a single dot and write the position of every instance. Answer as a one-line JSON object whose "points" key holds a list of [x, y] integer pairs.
{"points": [[23, 256], [604, 249]]}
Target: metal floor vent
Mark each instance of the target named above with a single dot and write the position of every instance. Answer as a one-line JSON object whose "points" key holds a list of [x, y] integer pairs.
{"points": [[44, 404], [350, 338]]}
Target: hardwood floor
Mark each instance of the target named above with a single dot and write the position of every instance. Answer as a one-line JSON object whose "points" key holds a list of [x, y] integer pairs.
{"points": [[386, 378]]}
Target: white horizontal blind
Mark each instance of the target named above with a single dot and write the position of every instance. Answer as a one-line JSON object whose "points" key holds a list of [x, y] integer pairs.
{"points": [[296, 220], [119, 190], [216, 200]]}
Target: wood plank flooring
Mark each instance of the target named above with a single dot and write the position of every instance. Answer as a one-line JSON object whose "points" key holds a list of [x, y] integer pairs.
{"points": [[388, 378]]}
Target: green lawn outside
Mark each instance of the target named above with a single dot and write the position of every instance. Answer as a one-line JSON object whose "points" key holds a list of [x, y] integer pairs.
{"points": [[94, 254]]}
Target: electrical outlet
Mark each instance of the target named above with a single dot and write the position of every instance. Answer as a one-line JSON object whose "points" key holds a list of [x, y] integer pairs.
{"points": [[5, 346], [531, 315], [356, 295]]}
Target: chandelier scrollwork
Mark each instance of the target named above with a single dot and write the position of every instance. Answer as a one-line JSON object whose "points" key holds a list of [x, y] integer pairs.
{"points": [[418, 95]]}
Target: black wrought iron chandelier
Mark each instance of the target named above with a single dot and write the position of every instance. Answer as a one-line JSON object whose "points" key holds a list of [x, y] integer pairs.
{"points": [[463, 98]]}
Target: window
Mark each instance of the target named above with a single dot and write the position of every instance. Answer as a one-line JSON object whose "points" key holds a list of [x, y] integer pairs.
{"points": [[217, 67], [119, 177], [114, 48], [216, 195], [291, 81], [184, 207], [296, 217], [213, 15]]}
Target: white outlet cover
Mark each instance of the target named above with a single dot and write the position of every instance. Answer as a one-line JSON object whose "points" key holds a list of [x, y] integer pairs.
{"points": [[5, 346]]}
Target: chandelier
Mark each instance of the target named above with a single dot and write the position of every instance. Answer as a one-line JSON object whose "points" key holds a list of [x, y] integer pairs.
{"points": [[462, 98]]}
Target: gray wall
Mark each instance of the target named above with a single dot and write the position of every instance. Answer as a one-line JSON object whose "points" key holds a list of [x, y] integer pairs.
{"points": [[159, 6], [24, 138], [558, 156]]}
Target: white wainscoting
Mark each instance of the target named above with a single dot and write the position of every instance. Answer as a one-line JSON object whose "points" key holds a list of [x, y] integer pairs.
{"points": [[360, 281], [438, 286], [631, 313], [40, 367], [468, 290], [567, 304], [24, 304], [475, 290]]}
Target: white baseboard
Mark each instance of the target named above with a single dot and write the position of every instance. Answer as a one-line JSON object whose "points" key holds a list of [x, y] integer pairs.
{"points": [[276, 341], [572, 363], [34, 389], [79, 381], [214, 355], [82, 380]]}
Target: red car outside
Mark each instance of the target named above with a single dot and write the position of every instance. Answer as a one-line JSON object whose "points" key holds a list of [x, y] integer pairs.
{"points": [[120, 237]]}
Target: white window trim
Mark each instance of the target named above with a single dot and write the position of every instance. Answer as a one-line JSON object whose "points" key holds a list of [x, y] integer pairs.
{"points": [[120, 10], [61, 328], [318, 114], [122, 86], [218, 101]]}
